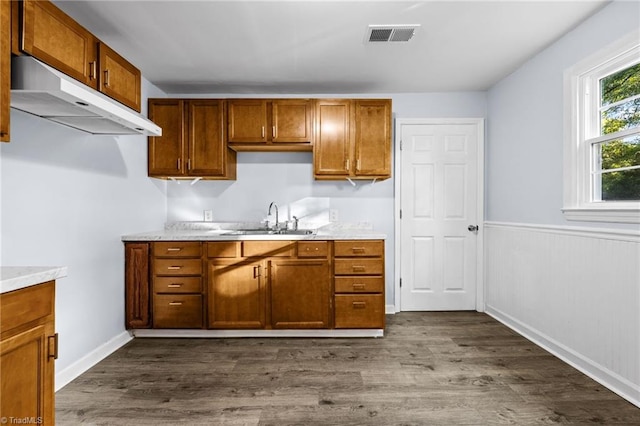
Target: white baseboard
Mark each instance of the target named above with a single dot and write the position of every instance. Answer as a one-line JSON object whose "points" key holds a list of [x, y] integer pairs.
{"points": [[390, 309], [67, 375], [600, 374]]}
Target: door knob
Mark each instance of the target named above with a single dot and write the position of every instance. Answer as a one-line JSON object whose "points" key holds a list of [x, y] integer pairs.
{"points": [[472, 228]]}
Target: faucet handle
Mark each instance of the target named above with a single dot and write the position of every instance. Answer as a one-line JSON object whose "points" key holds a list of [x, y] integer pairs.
{"points": [[295, 223]]}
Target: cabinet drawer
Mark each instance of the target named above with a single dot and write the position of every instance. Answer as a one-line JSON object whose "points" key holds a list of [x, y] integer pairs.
{"points": [[177, 249], [268, 248], [223, 249], [177, 311], [359, 284], [28, 304], [359, 266], [177, 285], [177, 266], [353, 248], [359, 311], [313, 248]]}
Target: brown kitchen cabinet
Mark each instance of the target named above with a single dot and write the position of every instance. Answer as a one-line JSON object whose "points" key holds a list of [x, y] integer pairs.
{"points": [[5, 69], [53, 37], [177, 284], [270, 124], [353, 139], [300, 293], [359, 284], [28, 349], [193, 141], [137, 285]]}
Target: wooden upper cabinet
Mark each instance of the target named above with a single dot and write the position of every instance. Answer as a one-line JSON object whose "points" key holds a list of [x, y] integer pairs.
{"points": [[353, 139], [270, 124], [5, 69], [166, 152], [247, 120], [372, 138], [118, 78], [291, 120], [53, 37], [193, 142], [56, 39], [331, 152]]}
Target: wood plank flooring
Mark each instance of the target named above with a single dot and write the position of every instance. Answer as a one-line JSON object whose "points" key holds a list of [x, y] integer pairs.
{"points": [[437, 368]]}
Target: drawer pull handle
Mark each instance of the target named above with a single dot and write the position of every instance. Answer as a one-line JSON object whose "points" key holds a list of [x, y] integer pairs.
{"points": [[53, 343], [358, 249], [359, 268], [174, 268], [359, 286], [359, 305], [175, 303], [176, 285], [174, 249]]}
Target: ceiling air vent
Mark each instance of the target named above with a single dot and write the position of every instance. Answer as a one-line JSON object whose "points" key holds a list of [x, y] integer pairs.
{"points": [[388, 33]]}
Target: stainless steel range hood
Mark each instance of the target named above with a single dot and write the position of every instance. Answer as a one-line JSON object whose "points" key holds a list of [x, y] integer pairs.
{"points": [[38, 89]]}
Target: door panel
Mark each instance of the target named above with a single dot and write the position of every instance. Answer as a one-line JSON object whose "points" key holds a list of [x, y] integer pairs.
{"points": [[439, 198]]}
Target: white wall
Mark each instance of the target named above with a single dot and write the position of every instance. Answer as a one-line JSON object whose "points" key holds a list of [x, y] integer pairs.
{"points": [[67, 197], [559, 282], [288, 177]]}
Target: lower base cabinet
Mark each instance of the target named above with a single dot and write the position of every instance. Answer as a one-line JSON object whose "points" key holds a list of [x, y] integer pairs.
{"points": [[28, 349], [305, 284]]}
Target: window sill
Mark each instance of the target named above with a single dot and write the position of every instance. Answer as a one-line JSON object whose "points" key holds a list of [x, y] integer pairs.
{"points": [[616, 215]]}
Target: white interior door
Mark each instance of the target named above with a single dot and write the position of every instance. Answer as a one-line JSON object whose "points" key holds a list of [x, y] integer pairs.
{"points": [[440, 189]]}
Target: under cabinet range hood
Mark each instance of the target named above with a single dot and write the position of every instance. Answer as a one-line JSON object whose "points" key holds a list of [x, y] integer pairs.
{"points": [[38, 89]]}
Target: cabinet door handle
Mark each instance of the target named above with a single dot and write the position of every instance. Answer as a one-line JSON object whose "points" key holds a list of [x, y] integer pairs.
{"points": [[106, 78], [176, 285], [273, 132], [189, 164], [179, 164], [262, 134], [174, 268], [53, 343], [256, 271], [92, 70], [358, 165], [359, 305], [359, 268], [348, 164], [174, 249], [175, 303]]}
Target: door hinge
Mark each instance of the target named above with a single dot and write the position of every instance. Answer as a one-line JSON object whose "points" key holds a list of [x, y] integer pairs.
{"points": [[400, 144], [400, 282], [400, 213]]}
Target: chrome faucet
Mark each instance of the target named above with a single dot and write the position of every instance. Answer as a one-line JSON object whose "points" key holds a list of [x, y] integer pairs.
{"points": [[273, 204]]}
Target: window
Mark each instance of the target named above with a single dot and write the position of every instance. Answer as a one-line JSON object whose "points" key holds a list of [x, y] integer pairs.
{"points": [[602, 135]]}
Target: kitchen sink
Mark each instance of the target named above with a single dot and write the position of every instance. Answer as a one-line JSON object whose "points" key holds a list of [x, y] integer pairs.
{"points": [[270, 232]]}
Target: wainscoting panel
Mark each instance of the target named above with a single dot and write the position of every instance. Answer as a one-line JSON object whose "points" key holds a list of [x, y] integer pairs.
{"points": [[573, 291]]}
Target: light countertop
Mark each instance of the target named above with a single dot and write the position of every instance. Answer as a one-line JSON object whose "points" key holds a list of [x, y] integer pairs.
{"points": [[18, 277], [200, 232]]}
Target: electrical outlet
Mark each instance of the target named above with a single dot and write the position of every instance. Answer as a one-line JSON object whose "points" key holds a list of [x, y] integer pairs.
{"points": [[208, 215], [333, 215]]}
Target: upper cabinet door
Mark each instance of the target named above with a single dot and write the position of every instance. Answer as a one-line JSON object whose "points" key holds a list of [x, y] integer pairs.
{"points": [[373, 137], [118, 78], [248, 120], [291, 120], [56, 39], [166, 152], [332, 144], [206, 135], [5, 69]]}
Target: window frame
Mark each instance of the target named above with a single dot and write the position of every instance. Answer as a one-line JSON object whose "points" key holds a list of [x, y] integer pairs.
{"points": [[581, 97]]}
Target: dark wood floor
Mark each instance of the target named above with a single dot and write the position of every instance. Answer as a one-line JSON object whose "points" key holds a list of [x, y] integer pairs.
{"points": [[455, 368]]}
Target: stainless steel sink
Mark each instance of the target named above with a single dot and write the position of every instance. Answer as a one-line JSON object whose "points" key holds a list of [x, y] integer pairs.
{"points": [[270, 232]]}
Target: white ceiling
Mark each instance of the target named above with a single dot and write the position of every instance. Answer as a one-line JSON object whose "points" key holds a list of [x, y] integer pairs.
{"points": [[315, 47]]}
